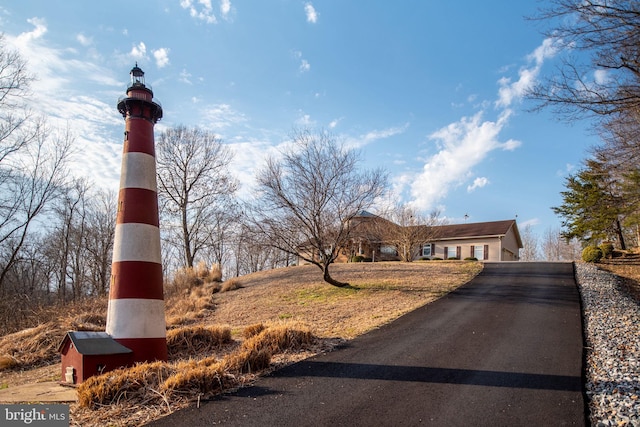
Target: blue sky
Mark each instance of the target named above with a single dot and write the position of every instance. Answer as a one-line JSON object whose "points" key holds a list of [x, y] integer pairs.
{"points": [[430, 90]]}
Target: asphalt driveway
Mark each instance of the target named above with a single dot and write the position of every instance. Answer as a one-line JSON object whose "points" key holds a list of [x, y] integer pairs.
{"points": [[503, 350]]}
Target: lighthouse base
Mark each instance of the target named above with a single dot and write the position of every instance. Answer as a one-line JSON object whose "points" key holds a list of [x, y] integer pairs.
{"points": [[146, 349]]}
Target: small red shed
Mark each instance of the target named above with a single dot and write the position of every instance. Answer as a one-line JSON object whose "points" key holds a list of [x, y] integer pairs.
{"points": [[87, 353]]}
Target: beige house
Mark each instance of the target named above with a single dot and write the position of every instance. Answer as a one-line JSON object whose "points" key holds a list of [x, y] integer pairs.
{"points": [[488, 241], [485, 241]]}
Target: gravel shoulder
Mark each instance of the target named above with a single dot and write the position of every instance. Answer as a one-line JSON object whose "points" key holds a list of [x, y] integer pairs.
{"points": [[612, 330]]}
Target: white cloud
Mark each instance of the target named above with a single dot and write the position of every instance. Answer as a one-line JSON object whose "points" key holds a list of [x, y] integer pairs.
{"points": [[512, 91], [64, 99], [84, 40], [374, 135], [39, 30], [465, 143], [162, 57], [334, 123], [221, 116], [201, 10], [304, 64], [600, 76], [225, 7], [530, 222], [305, 121], [312, 15], [462, 145], [477, 183], [185, 76], [138, 51], [569, 168]]}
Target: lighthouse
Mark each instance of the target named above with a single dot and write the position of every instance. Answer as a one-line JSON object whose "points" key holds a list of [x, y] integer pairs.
{"points": [[135, 315]]}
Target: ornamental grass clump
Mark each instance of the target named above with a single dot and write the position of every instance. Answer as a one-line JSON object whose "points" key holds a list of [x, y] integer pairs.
{"points": [[248, 361], [195, 340], [231, 285], [161, 383], [277, 339], [252, 330], [206, 377], [138, 383]]}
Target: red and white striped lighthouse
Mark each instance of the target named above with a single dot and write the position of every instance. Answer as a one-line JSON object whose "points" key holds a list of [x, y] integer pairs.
{"points": [[135, 316]]}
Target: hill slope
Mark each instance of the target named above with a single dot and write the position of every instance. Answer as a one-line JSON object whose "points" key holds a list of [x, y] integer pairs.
{"points": [[379, 293]]}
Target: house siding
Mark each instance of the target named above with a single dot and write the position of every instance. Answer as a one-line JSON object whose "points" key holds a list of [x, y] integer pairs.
{"points": [[510, 249], [465, 247]]}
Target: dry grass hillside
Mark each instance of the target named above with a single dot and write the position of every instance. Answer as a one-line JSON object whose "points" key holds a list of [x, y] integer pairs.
{"points": [[221, 335], [628, 269]]}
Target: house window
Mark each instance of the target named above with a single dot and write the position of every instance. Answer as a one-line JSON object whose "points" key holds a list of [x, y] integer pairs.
{"points": [[426, 250], [452, 252], [478, 252], [388, 250]]}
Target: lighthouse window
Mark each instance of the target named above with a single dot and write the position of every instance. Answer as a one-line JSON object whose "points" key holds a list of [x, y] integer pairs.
{"points": [[126, 135]]}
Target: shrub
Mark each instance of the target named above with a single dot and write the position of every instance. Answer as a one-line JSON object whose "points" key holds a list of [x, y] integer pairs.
{"points": [[357, 258], [185, 279], [231, 285], [471, 258], [453, 258], [436, 258], [607, 249], [591, 254]]}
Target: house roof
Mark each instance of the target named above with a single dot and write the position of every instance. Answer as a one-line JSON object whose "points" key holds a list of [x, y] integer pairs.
{"points": [[94, 343], [478, 229], [365, 214]]}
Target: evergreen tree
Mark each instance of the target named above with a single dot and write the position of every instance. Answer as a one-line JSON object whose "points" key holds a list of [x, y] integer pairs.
{"points": [[592, 205]]}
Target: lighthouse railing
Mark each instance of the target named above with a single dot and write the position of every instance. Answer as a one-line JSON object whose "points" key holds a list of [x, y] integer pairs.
{"points": [[138, 95]]}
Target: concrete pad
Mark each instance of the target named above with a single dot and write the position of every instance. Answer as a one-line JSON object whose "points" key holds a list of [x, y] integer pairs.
{"points": [[38, 392]]}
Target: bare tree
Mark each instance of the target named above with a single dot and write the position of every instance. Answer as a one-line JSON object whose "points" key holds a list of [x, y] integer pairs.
{"points": [[406, 229], [15, 82], [530, 250], [555, 247], [607, 83], [98, 240], [309, 195], [221, 230], [250, 254], [28, 189], [32, 161], [64, 244], [194, 185]]}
